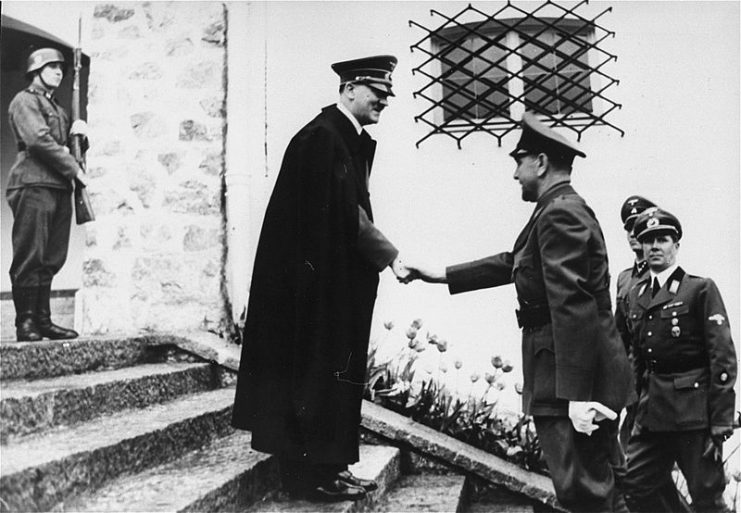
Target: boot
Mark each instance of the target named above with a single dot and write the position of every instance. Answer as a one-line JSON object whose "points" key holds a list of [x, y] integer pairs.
{"points": [[26, 328], [46, 327]]}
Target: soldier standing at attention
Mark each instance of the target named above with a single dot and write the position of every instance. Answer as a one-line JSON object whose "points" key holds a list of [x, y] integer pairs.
{"points": [[39, 193], [685, 364], [576, 372]]}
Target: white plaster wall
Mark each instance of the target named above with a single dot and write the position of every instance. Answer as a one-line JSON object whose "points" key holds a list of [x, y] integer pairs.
{"points": [[678, 65]]}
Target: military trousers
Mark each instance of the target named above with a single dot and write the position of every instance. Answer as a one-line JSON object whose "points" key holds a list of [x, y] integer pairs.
{"points": [[42, 218], [651, 458], [583, 468]]}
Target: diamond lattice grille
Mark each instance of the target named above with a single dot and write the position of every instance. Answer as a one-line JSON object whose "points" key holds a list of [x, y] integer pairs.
{"points": [[483, 74]]}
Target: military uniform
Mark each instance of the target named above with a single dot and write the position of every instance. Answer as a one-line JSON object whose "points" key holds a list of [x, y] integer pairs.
{"points": [[685, 365], [571, 350], [39, 194]]}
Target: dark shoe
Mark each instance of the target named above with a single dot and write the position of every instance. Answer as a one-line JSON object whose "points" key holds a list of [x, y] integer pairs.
{"points": [[367, 484], [54, 332], [336, 490], [43, 310], [27, 331], [26, 326]]}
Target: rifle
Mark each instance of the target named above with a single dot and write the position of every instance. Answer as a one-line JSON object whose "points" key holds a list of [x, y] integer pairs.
{"points": [[83, 207]]}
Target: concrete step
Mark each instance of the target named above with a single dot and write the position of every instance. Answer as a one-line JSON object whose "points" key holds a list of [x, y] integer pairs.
{"points": [[62, 303], [425, 492], [31, 406], [487, 498], [226, 475], [43, 469], [377, 462], [49, 358]]}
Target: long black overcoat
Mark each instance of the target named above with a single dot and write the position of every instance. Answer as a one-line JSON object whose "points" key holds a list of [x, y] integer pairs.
{"points": [[311, 301]]}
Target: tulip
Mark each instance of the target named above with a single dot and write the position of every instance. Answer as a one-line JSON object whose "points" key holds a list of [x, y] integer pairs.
{"points": [[518, 388], [507, 366], [442, 346], [474, 377], [417, 323], [496, 362], [420, 347], [389, 325], [500, 386], [413, 342], [458, 364], [411, 332], [490, 378], [443, 368], [432, 339]]}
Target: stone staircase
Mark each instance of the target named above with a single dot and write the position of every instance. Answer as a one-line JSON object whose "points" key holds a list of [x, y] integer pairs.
{"points": [[138, 424]]}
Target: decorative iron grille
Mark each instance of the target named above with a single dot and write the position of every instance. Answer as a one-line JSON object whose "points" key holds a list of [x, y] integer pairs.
{"points": [[484, 74]]}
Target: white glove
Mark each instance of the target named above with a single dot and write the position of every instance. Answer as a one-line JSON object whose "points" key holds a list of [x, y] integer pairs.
{"points": [[584, 414], [79, 127]]}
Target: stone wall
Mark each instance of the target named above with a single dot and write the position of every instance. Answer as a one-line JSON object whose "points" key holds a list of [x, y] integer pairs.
{"points": [[154, 258]]}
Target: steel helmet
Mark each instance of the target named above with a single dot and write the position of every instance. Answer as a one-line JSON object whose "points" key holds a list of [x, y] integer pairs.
{"points": [[41, 57]]}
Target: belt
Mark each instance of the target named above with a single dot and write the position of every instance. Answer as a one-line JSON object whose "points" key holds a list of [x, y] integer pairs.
{"points": [[539, 314], [675, 365]]}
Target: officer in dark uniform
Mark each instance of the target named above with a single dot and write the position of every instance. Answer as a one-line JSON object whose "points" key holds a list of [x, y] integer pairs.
{"points": [[576, 372], [39, 193], [629, 212], [685, 364]]}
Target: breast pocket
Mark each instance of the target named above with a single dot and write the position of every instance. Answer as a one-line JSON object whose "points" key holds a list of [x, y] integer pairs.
{"points": [[54, 122], [676, 322]]}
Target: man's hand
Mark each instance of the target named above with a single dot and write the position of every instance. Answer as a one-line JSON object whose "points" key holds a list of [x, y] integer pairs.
{"points": [[427, 273], [403, 274], [584, 414], [79, 127]]}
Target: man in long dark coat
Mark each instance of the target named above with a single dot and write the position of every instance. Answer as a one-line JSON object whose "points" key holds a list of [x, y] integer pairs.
{"points": [[302, 371], [576, 372]]}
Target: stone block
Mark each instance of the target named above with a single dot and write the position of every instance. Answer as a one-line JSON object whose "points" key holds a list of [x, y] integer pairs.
{"points": [[146, 71], [212, 164], [112, 13], [96, 273], [200, 75], [179, 47], [193, 197], [215, 33], [198, 238], [171, 161], [193, 131], [214, 106], [147, 125]]}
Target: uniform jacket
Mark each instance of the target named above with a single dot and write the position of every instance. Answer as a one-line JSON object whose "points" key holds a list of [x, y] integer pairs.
{"points": [[311, 300], [41, 128], [559, 259], [626, 280], [684, 328]]}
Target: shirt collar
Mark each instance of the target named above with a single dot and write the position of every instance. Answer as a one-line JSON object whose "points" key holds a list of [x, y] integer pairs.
{"points": [[36, 90], [346, 112], [664, 275]]}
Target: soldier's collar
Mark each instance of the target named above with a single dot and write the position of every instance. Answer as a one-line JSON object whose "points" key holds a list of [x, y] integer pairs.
{"points": [[36, 90]]}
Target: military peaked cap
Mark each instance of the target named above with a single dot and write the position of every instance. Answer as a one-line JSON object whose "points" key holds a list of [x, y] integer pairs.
{"points": [[373, 71], [654, 221], [538, 138], [631, 208]]}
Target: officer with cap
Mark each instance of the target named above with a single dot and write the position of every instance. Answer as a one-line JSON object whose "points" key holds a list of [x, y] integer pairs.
{"points": [[576, 372], [685, 365], [629, 212], [39, 193], [313, 289]]}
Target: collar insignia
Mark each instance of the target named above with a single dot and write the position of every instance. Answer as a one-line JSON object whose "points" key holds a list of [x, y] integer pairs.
{"points": [[674, 286]]}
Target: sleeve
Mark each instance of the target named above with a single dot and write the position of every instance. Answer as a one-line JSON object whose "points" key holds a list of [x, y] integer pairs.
{"points": [[564, 234], [621, 308], [722, 357], [373, 246], [485, 273], [32, 129]]}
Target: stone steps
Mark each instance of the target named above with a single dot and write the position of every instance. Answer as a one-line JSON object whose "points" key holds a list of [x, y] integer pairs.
{"points": [[136, 424], [224, 475], [377, 462], [31, 406], [41, 470], [425, 492]]}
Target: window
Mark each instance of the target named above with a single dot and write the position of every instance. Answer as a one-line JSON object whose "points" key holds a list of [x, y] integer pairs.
{"points": [[484, 74]]}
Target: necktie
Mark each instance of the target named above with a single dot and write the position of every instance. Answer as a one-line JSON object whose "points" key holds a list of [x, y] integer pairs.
{"points": [[655, 287]]}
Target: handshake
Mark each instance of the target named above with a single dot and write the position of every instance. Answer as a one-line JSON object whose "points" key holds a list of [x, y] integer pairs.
{"points": [[407, 272]]}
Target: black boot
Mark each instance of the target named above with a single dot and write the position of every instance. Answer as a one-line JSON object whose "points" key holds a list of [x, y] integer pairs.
{"points": [[48, 328], [26, 328]]}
